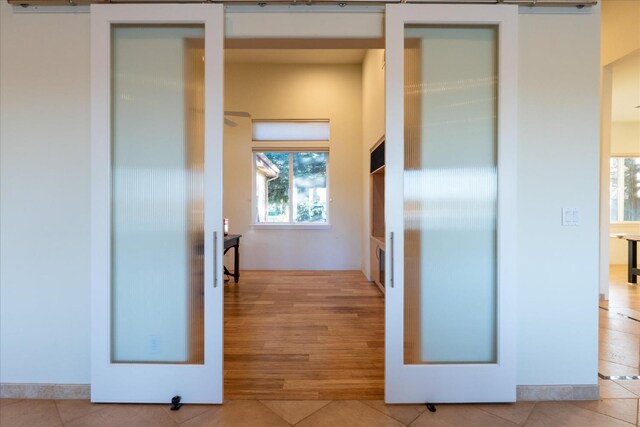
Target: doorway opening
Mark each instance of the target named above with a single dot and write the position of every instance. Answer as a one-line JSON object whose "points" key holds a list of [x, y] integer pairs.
{"points": [[305, 319], [620, 218]]}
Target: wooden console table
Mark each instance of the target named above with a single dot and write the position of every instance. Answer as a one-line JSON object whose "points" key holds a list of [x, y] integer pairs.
{"points": [[233, 241], [632, 269]]}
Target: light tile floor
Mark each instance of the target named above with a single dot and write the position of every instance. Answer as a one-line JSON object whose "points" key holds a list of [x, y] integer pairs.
{"points": [[355, 413], [619, 355]]}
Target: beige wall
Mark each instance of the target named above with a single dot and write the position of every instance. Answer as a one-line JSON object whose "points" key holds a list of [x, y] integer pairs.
{"points": [[625, 138], [620, 28], [373, 122], [271, 91]]}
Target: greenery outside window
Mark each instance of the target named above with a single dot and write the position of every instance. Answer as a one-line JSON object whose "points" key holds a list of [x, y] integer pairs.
{"points": [[290, 187], [624, 185]]}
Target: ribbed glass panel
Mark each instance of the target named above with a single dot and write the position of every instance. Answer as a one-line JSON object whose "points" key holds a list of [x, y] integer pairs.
{"points": [[450, 194], [157, 194]]}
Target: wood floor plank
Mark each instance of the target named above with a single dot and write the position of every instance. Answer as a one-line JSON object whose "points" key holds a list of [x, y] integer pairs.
{"points": [[303, 335]]}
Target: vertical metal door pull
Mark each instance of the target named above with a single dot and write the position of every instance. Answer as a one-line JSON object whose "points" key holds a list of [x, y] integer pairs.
{"points": [[391, 255], [215, 259]]}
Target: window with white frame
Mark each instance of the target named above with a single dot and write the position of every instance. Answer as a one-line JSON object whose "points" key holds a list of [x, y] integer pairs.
{"points": [[291, 187], [624, 189], [290, 130], [290, 177]]}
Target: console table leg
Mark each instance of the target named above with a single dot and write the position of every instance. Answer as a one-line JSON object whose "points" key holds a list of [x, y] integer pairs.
{"points": [[632, 277], [236, 265]]}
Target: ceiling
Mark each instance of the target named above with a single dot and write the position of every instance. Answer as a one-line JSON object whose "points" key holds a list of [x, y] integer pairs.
{"points": [[626, 88], [294, 56]]}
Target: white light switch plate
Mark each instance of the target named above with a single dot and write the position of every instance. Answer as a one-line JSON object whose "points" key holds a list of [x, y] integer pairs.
{"points": [[570, 217]]}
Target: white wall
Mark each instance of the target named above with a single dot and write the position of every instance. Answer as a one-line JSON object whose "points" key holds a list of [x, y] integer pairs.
{"points": [[373, 122], [45, 205], [272, 91], [44, 224], [558, 162]]}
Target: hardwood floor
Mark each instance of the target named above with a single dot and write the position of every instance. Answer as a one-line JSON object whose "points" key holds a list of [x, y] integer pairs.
{"points": [[621, 294], [619, 337], [303, 335]]}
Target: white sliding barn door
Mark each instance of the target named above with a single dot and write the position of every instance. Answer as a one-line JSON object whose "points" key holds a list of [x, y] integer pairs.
{"points": [[450, 184], [156, 203]]}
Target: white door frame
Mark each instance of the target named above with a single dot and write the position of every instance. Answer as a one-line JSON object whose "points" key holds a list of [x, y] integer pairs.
{"points": [[451, 382], [138, 382], [605, 196]]}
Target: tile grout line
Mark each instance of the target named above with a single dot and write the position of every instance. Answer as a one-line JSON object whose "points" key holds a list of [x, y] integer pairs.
{"points": [[274, 412], [503, 418], [361, 404], [323, 406], [167, 410], [55, 403], [530, 413], [330, 402], [636, 396], [413, 420], [391, 416], [573, 402], [102, 408]]}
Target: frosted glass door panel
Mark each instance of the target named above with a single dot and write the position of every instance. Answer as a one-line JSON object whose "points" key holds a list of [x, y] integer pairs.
{"points": [[450, 194], [157, 194]]}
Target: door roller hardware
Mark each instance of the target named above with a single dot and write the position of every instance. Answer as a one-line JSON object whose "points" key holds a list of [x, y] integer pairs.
{"points": [[175, 403]]}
